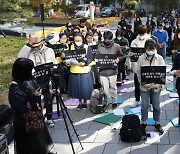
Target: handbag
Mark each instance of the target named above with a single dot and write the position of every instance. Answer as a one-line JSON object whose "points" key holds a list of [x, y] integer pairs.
{"points": [[34, 119]]}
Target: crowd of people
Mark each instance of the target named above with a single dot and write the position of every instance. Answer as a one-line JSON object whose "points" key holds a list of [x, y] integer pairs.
{"points": [[79, 80]]}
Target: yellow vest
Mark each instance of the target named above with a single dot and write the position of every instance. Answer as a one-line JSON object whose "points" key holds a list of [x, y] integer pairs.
{"points": [[81, 29], [81, 69]]}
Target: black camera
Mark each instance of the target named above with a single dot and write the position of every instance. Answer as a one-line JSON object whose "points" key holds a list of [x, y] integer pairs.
{"points": [[49, 71]]}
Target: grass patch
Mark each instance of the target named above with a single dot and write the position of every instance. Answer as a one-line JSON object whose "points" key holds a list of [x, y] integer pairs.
{"points": [[9, 48]]}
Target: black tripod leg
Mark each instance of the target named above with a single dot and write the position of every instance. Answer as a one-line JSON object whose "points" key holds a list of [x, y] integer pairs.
{"points": [[62, 104], [63, 114], [57, 99]]}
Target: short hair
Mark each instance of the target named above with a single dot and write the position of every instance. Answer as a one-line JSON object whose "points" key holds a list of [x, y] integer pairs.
{"points": [[78, 34], [129, 27], [83, 20], [119, 32], [62, 34], [142, 29], [22, 69], [151, 43], [108, 35], [76, 27]]}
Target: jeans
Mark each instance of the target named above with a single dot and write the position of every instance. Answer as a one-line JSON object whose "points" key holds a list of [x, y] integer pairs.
{"points": [[162, 52], [145, 96], [137, 87], [109, 86]]}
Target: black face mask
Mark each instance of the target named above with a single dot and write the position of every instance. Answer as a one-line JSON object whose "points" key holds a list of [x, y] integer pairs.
{"points": [[107, 43]]}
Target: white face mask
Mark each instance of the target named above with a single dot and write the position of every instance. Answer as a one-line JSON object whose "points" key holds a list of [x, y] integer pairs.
{"points": [[149, 18], [78, 44], [179, 36], [90, 44], [178, 25], [95, 37], [150, 52], [160, 30], [141, 37], [167, 26], [119, 38]]}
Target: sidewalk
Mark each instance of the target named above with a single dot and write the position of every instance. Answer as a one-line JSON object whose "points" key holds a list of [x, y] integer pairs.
{"points": [[99, 138]]}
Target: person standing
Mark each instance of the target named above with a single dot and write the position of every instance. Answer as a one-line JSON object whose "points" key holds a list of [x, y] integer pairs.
{"points": [[123, 42], [108, 77], [129, 35], [139, 42], [24, 90], [80, 79], [150, 91], [40, 54], [162, 36], [137, 23]]}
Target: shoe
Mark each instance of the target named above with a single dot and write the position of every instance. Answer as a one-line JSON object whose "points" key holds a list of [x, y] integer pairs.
{"points": [[114, 105], [79, 107], [134, 104], [159, 128], [50, 123], [84, 106]]}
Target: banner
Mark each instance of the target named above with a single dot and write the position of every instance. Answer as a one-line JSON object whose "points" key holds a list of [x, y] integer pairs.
{"points": [[137, 53], [106, 60], [153, 74], [79, 54]]}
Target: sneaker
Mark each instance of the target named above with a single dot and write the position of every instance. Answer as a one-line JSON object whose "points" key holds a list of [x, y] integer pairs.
{"points": [[84, 106], [159, 128], [134, 104], [50, 123], [114, 105], [79, 107]]}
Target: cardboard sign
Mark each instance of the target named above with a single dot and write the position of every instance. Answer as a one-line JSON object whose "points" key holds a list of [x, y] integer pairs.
{"points": [[153, 74], [94, 49], [79, 54], [137, 53], [106, 60]]}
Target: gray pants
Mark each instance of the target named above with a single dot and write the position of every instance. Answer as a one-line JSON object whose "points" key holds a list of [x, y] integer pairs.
{"points": [[109, 86]]}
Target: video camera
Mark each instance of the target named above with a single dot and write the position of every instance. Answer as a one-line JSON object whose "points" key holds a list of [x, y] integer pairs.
{"points": [[49, 71]]}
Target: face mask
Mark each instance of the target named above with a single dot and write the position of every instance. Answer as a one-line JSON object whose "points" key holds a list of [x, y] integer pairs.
{"points": [[167, 26], [141, 37], [178, 25], [179, 36], [90, 44], [70, 27], [119, 38], [95, 37], [78, 44], [160, 30], [150, 52], [124, 27], [149, 18]]}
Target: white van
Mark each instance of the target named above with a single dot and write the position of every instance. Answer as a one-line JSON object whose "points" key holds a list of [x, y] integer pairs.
{"points": [[82, 11]]}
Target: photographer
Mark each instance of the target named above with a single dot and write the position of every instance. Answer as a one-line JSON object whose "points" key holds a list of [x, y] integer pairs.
{"points": [[40, 54], [21, 92]]}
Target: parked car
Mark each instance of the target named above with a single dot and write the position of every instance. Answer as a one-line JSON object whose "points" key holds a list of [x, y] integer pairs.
{"points": [[83, 10], [108, 12]]}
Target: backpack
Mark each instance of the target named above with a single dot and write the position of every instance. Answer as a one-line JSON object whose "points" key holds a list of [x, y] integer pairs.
{"points": [[96, 101], [131, 130]]}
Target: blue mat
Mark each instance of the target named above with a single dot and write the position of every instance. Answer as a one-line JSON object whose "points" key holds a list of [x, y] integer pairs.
{"points": [[150, 122], [175, 122], [119, 100], [134, 111]]}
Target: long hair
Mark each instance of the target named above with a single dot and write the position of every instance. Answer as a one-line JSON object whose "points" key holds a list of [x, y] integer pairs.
{"points": [[22, 69], [176, 39]]}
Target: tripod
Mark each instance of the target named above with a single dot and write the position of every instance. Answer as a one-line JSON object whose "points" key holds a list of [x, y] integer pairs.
{"points": [[61, 104]]}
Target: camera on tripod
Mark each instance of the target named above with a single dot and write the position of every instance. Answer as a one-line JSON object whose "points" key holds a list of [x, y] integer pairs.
{"points": [[48, 71]]}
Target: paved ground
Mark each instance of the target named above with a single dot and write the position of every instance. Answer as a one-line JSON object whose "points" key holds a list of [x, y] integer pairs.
{"points": [[99, 138]]}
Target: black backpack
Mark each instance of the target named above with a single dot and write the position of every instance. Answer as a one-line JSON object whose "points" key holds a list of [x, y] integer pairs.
{"points": [[131, 130]]}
